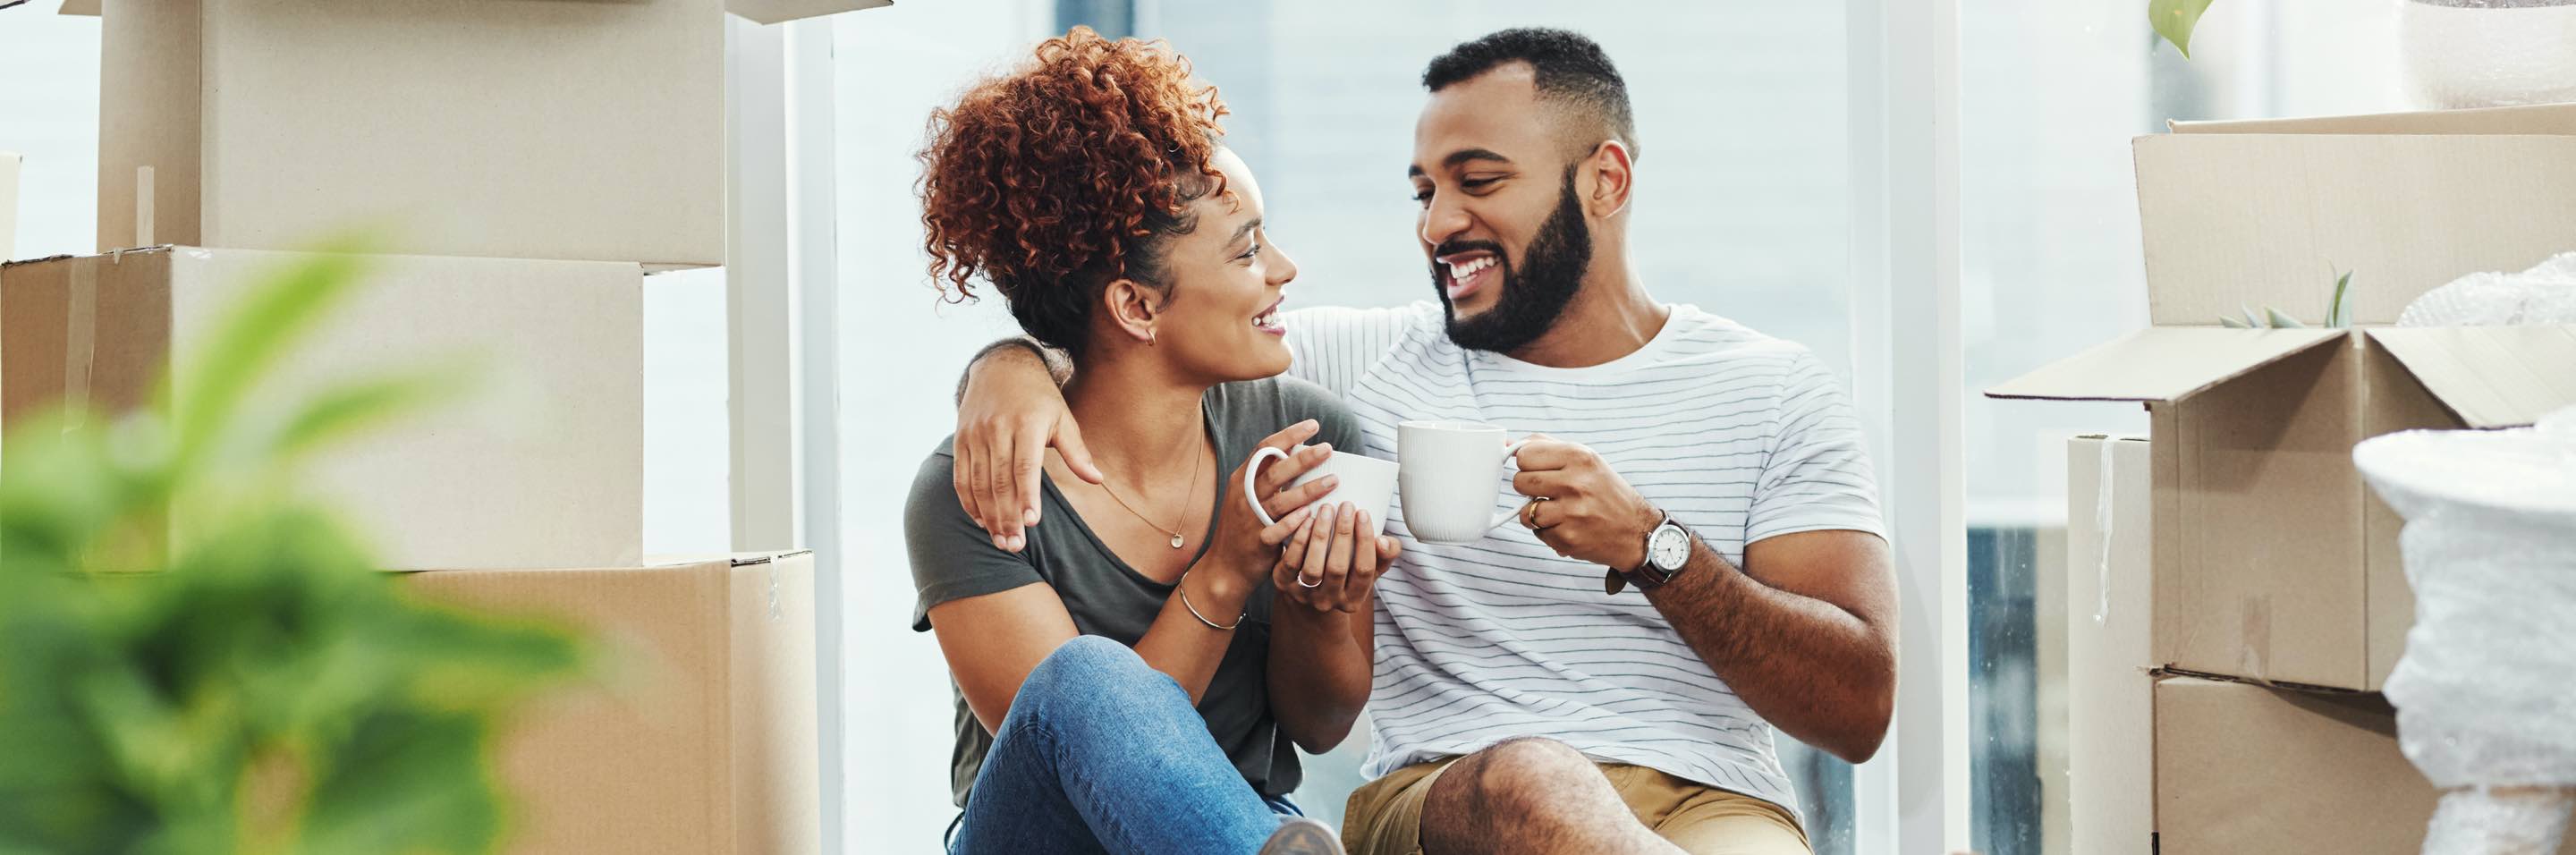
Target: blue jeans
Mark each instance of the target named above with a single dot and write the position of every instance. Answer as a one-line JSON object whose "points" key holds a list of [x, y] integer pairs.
{"points": [[1102, 753]]}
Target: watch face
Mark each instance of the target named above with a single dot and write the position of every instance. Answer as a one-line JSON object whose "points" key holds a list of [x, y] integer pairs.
{"points": [[1669, 549]]}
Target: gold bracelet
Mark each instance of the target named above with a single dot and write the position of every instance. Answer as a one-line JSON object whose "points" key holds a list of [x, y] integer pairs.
{"points": [[1181, 588]]}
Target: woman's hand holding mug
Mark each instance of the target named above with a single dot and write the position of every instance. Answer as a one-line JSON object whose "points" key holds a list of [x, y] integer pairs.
{"points": [[1246, 545], [1336, 555], [1338, 551]]}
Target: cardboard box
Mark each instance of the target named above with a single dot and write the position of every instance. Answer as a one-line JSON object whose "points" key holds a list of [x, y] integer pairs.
{"points": [[2272, 560], [2551, 119], [541, 466], [702, 737], [2239, 215], [552, 129], [2242, 768], [9, 166], [2110, 725]]}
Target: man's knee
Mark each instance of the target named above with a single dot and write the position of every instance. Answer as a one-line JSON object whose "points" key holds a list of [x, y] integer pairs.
{"points": [[1529, 758], [1517, 776]]}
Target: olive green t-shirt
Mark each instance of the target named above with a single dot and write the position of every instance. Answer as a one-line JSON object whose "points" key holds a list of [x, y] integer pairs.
{"points": [[952, 558]]}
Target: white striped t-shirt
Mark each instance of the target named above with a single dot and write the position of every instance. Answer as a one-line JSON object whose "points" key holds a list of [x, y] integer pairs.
{"points": [[1738, 435]]}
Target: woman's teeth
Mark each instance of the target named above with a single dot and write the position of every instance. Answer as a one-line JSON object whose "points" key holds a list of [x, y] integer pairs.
{"points": [[1268, 319]]}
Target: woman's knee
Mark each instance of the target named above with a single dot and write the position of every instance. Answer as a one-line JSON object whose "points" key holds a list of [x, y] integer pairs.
{"points": [[1087, 666]]}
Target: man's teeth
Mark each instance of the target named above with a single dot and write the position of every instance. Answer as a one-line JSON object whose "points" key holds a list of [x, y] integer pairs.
{"points": [[1460, 270]]}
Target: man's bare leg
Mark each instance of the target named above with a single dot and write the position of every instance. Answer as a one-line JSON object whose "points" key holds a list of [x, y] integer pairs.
{"points": [[1531, 796]]}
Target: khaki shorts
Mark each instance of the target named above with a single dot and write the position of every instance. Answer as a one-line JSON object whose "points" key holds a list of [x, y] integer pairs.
{"points": [[1384, 817]]}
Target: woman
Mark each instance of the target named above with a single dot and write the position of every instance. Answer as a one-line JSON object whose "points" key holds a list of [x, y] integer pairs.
{"points": [[1135, 672]]}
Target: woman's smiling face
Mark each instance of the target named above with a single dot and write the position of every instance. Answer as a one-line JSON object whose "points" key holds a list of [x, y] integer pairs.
{"points": [[1217, 318]]}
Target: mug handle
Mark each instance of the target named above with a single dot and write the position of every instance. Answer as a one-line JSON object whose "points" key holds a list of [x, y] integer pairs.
{"points": [[1511, 452], [1251, 473]]}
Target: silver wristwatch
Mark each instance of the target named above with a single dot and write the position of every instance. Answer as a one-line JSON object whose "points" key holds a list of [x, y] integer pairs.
{"points": [[1668, 549]]}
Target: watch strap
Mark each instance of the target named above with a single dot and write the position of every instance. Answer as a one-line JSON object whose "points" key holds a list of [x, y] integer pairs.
{"points": [[1646, 576]]}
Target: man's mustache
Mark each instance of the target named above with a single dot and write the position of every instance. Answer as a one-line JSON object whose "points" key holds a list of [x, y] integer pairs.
{"points": [[1458, 246]]}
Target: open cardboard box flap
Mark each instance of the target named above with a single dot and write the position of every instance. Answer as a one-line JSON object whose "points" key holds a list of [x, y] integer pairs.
{"points": [[2491, 377], [2539, 119], [2161, 364]]}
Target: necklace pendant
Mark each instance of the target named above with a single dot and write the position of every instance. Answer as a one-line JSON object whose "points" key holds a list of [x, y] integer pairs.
{"points": [[1176, 541]]}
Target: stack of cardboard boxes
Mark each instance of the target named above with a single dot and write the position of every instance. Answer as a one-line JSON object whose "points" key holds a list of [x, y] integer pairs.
{"points": [[2236, 596], [525, 163]]}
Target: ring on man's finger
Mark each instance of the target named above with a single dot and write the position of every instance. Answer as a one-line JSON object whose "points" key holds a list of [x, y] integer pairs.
{"points": [[1529, 513], [1302, 583]]}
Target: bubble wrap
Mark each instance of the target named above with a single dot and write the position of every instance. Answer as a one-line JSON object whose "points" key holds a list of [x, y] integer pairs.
{"points": [[2487, 53], [2499, 822], [2486, 691], [2545, 294]]}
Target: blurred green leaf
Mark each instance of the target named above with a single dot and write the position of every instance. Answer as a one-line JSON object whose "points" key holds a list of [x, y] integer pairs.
{"points": [[256, 685], [352, 408], [2175, 19], [211, 384]]}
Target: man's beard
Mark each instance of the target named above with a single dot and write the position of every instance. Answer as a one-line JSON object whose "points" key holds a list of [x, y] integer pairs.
{"points": [[1531, 298]]}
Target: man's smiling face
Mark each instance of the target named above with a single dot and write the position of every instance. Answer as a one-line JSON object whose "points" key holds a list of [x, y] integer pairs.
{"points": [[1500, 222]]}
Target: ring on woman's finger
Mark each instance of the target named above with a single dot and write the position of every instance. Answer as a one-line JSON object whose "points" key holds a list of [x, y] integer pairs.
{"points": [[1302, 583]]}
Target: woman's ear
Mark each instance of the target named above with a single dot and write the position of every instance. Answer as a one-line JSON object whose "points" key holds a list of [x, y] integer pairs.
{"points": [[1132, 308]]}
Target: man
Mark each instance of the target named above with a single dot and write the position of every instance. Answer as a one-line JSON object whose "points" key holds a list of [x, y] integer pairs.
{"points": [[1517, 706]]}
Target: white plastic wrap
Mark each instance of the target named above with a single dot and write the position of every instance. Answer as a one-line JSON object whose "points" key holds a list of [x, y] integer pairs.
{"points": [[2499, 821], [2545, 294], [2486, 691], [2487, 53]]}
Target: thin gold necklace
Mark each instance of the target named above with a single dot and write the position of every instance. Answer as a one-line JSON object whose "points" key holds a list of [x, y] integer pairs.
{"points": [[1173, 530]]}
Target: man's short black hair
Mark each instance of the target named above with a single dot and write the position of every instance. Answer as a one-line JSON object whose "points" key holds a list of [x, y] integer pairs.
{"points": [[1571, 70]]}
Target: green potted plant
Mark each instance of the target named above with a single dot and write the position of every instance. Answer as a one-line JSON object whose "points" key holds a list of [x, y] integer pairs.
{"points": [[246, 681]]}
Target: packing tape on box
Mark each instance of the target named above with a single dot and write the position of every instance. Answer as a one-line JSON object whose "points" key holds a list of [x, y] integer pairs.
{"points": [[2102, 527], [2254, 649], [775, 613], [80, 343], [143, 213]]}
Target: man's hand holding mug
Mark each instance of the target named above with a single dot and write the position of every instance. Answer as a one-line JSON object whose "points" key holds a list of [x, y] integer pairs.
{"points": [[1580, 507]]}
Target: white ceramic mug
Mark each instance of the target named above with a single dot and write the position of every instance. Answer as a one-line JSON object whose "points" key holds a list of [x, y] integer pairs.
{"points": [[1449, 473], [1367, 483]]}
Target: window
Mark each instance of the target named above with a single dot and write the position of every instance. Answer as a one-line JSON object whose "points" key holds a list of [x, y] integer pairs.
{"points": [[1742, 210]]}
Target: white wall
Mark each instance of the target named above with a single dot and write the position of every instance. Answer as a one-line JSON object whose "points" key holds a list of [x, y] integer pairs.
{"points": [[49, 112], [900, 353]]}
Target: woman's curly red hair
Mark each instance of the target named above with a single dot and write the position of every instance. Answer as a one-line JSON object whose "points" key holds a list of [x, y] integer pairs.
{"points": [[1063, 175]]}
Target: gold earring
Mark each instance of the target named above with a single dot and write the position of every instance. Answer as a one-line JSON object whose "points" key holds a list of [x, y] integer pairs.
{"points": [[1149, 336]]}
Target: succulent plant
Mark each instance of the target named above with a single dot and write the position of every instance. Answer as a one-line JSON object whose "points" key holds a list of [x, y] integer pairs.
{"points": [[2336, 315]]}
